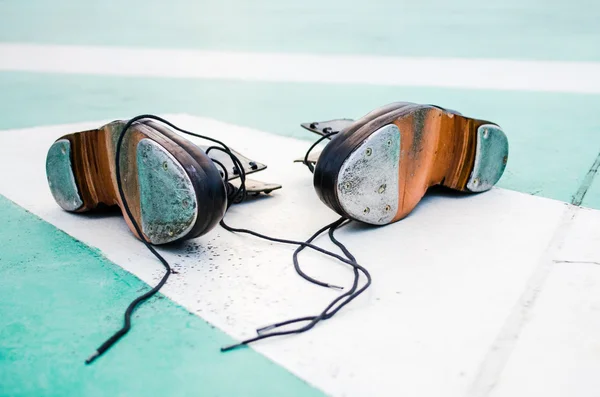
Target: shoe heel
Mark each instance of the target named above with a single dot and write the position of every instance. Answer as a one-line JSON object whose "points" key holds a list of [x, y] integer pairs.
{"points": [[491, 156], [61, 178]]}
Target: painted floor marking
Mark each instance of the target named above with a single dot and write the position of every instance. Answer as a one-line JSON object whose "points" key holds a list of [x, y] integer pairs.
{"points": [[445, 279], [548, 76], [587, 182], [500, 351], [557, 350]]}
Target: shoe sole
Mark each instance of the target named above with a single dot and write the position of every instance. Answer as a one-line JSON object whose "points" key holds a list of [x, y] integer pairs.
{"points": [[173, 190], [379, 172]]}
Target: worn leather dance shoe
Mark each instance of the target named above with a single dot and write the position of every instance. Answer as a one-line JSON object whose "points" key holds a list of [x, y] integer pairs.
{"points": [[376, 169], [174, 189]]}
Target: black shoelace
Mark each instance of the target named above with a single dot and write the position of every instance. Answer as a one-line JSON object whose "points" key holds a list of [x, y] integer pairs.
{"points": [[236, 195]]}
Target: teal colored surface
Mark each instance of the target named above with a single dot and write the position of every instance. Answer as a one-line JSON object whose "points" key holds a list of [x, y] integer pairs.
{"points": [[61, 299], [554, 138], [531, 29]]}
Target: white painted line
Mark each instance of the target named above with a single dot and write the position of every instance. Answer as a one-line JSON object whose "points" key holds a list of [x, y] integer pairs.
{"points": [[501, 350], [445, 279], [558, 351], [581, 77]]}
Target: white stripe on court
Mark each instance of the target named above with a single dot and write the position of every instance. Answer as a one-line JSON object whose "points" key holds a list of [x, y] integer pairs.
{"points": [[551, 76], [455, 285]]}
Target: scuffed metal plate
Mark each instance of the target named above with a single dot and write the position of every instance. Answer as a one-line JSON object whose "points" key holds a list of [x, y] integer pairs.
{"points": [[367, 184], [490, 158], [59, 171], [167, 197]]}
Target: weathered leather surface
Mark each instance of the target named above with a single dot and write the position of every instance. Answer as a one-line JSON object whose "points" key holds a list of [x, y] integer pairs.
{"points": [[250, 166], [254, 187], [326, 127]]}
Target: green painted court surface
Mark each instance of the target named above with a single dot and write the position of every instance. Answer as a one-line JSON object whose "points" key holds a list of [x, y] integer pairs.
{"points": [[514, 29], [58, 296], [53, 310]]}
